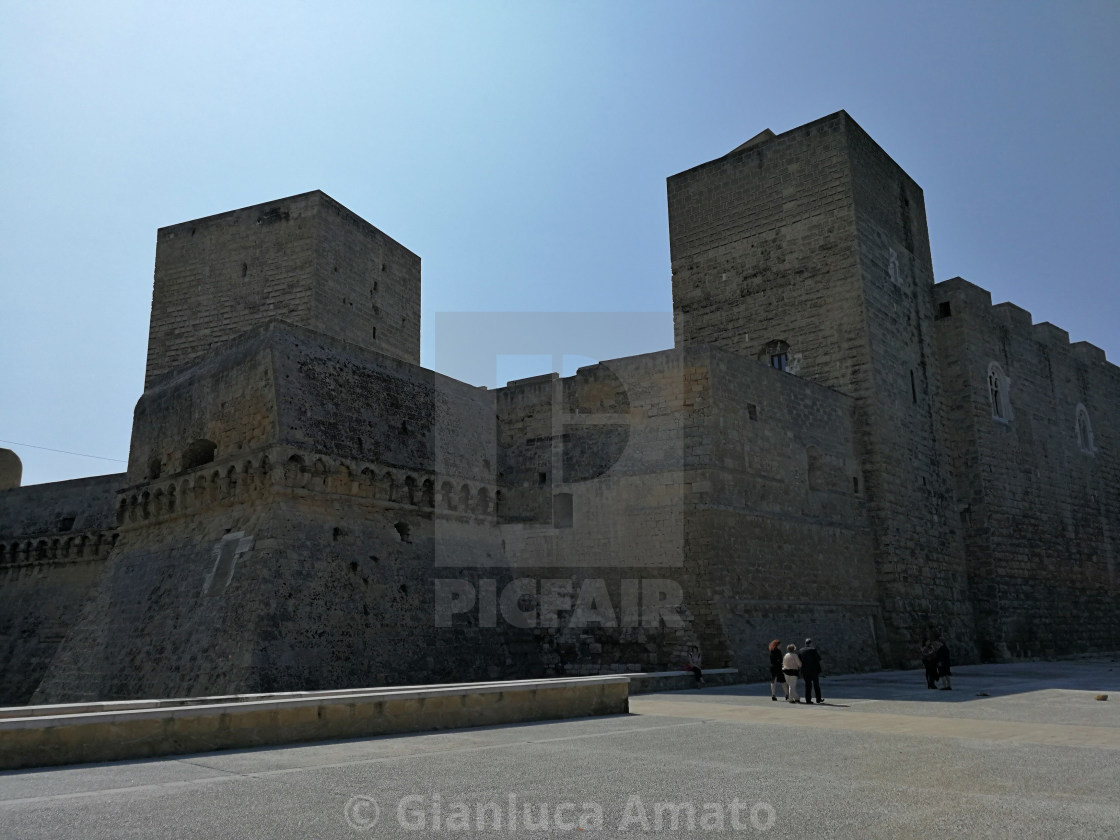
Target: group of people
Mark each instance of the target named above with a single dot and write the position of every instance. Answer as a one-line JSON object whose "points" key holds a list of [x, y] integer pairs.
{"points": [[935, 658], [805, 664], [786, 669]]}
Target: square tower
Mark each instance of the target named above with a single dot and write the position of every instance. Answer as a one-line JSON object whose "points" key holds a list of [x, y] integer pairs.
{"points": [[304, 259], [808, 251]]}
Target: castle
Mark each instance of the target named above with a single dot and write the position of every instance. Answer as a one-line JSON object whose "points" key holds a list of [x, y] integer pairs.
{"points": [[836, 446]]}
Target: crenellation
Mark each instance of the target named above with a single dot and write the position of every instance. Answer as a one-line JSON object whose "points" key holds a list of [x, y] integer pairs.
{"points": [[1047, 333], [1013, 316], [962, 296], [1088, 353]]}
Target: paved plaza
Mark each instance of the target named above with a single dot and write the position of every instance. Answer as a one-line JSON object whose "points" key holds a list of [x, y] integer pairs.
{"points": [[1014, 751]]}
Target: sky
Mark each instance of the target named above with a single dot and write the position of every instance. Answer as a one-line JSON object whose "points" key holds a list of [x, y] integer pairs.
{"points": [[521, 149]]}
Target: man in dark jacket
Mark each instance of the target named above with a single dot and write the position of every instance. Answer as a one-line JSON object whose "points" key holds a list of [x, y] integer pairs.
{"points": [[811, 670], [943, 671]]}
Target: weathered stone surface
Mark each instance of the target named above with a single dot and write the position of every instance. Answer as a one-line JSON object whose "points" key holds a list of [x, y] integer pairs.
{"points": [[812, 246], [305, 259], [54, 540], [307, 508], [1039, 498], [11, 470]]}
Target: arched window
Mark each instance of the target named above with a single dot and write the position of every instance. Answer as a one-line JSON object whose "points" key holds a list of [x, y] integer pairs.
{"points": [[1084, 431], [999, 393], [776, 354], [388, 487]]}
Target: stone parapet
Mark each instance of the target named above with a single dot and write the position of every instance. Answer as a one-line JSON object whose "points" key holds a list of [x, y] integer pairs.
{"points": [[124, 731]]}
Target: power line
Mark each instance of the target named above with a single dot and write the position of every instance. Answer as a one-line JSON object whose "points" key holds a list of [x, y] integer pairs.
{"points": [[63, 451]]}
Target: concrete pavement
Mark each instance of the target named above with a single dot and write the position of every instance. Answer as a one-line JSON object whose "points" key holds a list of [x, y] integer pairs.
{"points": [[885, 757]]}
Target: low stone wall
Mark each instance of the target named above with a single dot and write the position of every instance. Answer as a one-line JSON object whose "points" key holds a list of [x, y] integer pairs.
{"points": [[133, 729], [647, 683]]}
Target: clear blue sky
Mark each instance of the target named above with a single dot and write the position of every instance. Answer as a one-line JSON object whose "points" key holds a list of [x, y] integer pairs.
{"points": [[520, 148]]}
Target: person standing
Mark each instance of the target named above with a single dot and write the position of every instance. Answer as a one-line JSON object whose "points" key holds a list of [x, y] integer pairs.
{"points": [[929, 662], [811, 671], [694, 665], [776, 676], [943, 672], [791, 667]]}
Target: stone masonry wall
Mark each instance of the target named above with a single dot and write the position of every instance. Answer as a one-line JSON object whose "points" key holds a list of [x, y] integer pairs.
{"points": [[222, 405], [54, 539], [593, 481], [306, 508], [811, 246], [777, 515], [1040, 509], [367, 286], [761, 244], [305, 259], [922, 575]]}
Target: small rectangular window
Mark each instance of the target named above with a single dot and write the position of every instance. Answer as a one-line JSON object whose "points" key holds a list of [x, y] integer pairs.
{"points": [[542, 479], [913, 388], [779, 361], [944, 310], [752, 411]]}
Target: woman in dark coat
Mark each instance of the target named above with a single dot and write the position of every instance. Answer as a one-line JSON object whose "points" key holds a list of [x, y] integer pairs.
{"points": [[776, 676]]}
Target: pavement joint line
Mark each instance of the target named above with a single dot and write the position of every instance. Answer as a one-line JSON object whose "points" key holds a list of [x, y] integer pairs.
{"points": [[168, 786], [1046, 734]]}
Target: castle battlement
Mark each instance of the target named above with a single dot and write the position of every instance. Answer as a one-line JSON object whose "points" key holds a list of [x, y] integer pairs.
{"points": [[958, 297]]}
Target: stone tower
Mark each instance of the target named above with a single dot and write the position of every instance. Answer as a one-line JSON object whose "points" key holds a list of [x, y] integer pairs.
{"points": [[304, 259], [11, 470], [809, 251]]}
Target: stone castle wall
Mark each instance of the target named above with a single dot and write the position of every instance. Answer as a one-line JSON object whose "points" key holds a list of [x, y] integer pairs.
{"points": [[922, 577], [304, 259], [809, 250], [54, 540], [288, 563], [1039, 503], [777, 515], [306, 507], [761, 247]]}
